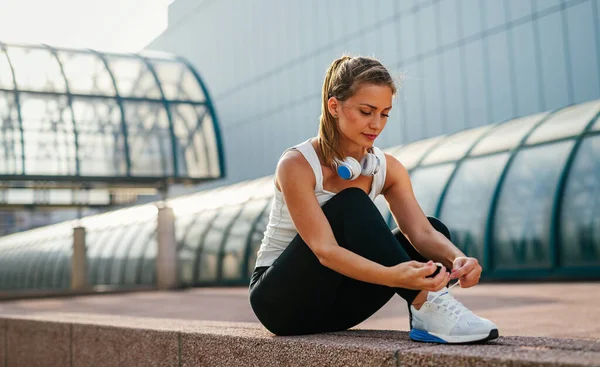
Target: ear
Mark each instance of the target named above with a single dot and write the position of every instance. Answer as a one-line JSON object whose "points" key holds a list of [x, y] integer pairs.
{"points": [[332, 105]]}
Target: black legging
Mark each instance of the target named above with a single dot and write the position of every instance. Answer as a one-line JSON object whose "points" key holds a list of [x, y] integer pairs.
{"points": [[298, 295]]}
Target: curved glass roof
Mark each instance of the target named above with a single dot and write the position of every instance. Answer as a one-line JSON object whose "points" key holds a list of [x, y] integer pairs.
{"points": [[521, 196], [84, 116]]}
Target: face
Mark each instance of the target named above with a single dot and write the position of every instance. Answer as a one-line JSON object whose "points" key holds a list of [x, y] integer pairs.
{"points": [[362, 117]]}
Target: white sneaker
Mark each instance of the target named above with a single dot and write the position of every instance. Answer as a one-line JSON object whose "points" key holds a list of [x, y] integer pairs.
{"points": [[443, 319]]}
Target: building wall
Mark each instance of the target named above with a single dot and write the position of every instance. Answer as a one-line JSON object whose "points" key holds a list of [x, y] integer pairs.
{"points": [[464, 63]]}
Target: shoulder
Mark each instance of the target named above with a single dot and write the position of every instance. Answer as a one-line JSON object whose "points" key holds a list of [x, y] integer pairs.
{"points": [[293, 166], [392, 162], [396, 173]]}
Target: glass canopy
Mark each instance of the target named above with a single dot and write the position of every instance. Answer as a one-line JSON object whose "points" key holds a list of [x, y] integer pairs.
{"points": [[80, 116], [525, 204]]}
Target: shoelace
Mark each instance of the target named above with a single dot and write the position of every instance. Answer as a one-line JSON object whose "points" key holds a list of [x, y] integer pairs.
{"points": [[450, 303]]}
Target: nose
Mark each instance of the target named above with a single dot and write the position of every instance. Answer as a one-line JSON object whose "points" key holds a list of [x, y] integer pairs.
{"points": [[376, 123]]}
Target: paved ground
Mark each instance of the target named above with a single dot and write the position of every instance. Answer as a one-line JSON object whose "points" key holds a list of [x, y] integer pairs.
{"points": [[533, 309]]}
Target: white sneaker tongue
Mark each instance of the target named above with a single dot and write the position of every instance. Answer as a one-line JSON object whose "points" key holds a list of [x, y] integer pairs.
{"points": [[432, 295]]}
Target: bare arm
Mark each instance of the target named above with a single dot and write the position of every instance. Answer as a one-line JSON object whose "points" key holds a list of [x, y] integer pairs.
{"points": [[410, 218], [296, 181]]}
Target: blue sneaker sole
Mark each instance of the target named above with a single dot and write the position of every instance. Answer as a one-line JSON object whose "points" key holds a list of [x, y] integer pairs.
{"points": [[423, 336]]}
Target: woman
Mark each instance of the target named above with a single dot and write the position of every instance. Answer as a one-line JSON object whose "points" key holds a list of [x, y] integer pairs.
{"points": [[328, 260]]}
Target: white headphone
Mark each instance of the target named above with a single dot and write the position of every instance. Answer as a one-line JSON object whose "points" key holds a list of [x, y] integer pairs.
{"points": [[350, 168]]}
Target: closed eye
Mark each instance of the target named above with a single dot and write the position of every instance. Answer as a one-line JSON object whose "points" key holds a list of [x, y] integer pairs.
{"points": [[369, 113]]}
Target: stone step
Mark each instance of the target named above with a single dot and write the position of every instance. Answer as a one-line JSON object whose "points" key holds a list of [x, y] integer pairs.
{"points": [[78, 339]]}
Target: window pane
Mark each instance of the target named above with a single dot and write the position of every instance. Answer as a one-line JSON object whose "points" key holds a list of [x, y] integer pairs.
{"points": [[477, 89], [192, 151], [522, 225], [566, 122], [135, 255], [454, 109], [191, 242], [583, 60], [107, 252], [596, 126], [428, 184], [210, 137], [149, 261], [86, 73], [36, 69], [507, 135], [95, 252], [257, 236], [150, 146], [133, 77], [435, 115], [500, 79], [580, 216], [448, 21], [48, 135], [6, 77], [209, 256], [235, 244], [101, 138], [10, 135], [554, 71], [410, 154], [525, 70], [455, 146], [177, 81], [467, 203], [519, 9], [119, 257]]}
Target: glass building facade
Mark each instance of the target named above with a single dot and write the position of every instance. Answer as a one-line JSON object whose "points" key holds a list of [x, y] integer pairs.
{"points": [[460, 64], [522, 196]]}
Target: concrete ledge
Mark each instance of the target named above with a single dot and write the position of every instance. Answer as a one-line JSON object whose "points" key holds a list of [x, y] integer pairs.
{"points": [[89, 340]]}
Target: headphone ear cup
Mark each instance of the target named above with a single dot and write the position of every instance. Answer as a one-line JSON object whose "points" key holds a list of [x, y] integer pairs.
{"points": [[369, 164], [349, 169]]}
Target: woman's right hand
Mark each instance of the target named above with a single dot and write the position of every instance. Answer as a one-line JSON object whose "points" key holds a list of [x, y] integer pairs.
{"points": [[413, 275]]}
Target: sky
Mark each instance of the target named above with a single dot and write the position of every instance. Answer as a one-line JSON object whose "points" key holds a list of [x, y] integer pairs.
{"points": [[103, 25]]}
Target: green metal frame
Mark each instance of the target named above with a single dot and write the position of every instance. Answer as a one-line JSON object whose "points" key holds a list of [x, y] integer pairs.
{"points": [[168, 111], [70, 104], [226, 233], [458, 164], [491, 217], [124, 129], [555, 227], [196, 264], [245, 263], [148, 61], [18, 103], [213, 114]]}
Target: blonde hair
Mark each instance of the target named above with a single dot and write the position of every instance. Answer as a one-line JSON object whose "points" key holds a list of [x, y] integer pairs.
{"points": [[343, 78]]}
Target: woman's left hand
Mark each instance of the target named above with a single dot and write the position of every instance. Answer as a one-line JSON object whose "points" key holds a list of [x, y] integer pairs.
{"points": [[467, 270]]}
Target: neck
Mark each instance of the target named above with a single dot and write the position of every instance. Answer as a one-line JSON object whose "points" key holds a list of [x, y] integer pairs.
{"points": [[352, 150]]}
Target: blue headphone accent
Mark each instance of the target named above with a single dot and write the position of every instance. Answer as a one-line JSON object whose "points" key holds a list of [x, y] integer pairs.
{"points": [[351, 169]]}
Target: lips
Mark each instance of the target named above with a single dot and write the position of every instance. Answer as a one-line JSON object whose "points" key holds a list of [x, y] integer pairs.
{"points": [[370, 136]]}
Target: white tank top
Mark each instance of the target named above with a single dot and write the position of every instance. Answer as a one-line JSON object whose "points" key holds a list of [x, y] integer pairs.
{"points": [[280, 229]]}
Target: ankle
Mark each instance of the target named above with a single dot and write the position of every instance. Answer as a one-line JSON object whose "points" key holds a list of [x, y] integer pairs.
{"points": [[420, 300], [417, 306]]}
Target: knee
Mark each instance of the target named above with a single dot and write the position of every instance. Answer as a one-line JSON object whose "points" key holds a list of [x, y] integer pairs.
{"points": [[353, 198], [353, 193], [440, 227]]}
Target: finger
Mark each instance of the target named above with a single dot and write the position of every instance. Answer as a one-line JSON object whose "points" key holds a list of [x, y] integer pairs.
{"points": [[470, 279], [427, 269], [459, 272], [418, 264], [438, 281]]}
